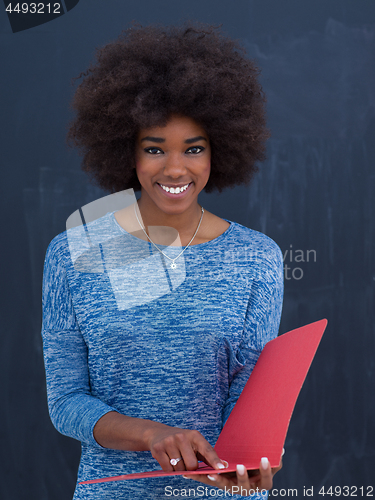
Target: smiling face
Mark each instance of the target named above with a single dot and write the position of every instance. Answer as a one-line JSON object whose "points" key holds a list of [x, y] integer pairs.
{"points": [[173, 166]]}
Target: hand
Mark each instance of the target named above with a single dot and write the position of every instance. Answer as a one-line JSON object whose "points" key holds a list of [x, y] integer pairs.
{"points": [[242, 481], [167, 442]]}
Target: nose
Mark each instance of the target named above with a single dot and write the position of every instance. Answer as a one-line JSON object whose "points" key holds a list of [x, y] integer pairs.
{"points": [[174, 166]]}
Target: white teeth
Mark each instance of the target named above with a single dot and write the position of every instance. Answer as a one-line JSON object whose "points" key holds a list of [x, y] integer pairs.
{"points": [[173, 190]]}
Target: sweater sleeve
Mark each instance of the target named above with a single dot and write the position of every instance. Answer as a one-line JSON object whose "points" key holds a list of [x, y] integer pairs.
{"points": [[262, 323], [73, 410]]}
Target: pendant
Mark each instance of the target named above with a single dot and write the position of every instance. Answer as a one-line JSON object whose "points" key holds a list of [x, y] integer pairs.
{"points": [[173, 265]]}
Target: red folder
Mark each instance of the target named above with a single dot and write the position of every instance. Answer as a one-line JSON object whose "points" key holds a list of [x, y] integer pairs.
{"points": [[258, 423]]}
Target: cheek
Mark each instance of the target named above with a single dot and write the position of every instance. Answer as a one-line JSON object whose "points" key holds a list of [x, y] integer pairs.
{"points": [[139, 171], [139, 167]]}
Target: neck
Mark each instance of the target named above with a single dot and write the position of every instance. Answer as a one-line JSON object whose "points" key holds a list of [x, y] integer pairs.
{"points": [[184, 223]]}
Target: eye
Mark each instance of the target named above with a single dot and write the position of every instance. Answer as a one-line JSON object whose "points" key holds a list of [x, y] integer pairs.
{"points": [[195, 149], [153, 151]]}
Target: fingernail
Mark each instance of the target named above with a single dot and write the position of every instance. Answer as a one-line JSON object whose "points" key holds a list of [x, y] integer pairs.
{"points": [[225, 463], [220, 466], [283, 452], [211, 478], [264, 463], [241, 469], [185, 477]]}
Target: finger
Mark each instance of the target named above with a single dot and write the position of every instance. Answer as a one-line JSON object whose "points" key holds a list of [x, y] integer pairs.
{"points": [[276, 469], [176, 448], [181, 451], [184, 446], [164, 461], [188, 455], [176, 461], [266, 475], [164, 454], [242, 477], [175, 458], [206, 453]]}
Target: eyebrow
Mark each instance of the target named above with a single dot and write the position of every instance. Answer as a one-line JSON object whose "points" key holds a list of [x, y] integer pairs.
{"points": [[160, 139]]}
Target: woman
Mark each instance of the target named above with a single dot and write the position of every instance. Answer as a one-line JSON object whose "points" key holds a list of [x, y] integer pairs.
{"points": [[152, 329]]}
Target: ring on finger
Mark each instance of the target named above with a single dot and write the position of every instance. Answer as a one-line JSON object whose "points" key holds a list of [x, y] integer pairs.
{"points": [[174, 461]]}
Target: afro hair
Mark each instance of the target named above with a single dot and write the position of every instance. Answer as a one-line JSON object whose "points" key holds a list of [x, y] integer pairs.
{"points": [[152, 72]]}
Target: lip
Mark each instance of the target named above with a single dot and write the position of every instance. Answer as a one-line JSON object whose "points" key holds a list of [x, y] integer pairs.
{"points": [[175, 195]]}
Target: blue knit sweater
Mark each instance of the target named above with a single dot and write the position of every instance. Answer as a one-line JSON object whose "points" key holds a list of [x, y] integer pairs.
{"points": [[123, 331]]}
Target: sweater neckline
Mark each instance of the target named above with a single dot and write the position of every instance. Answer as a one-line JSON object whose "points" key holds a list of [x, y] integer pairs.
{"points": [[216, 240]]}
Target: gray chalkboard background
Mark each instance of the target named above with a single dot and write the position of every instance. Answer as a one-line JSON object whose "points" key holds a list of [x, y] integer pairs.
{"points": [[315, 196]]}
